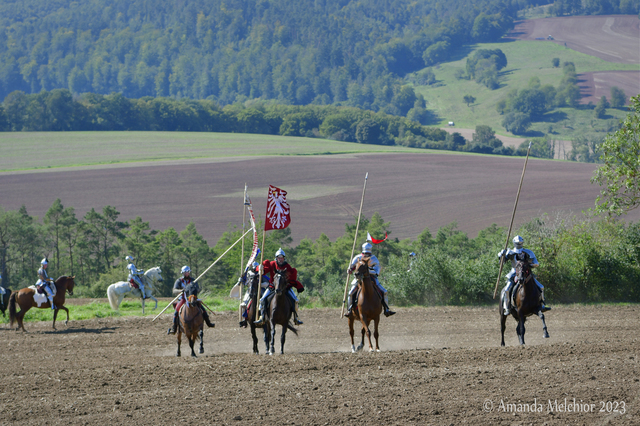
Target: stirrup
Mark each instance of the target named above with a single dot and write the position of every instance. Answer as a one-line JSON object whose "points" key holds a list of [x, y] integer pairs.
{"points": [[544, 308], [259, 321], [243, 323], [296, 320], [388, 313]]}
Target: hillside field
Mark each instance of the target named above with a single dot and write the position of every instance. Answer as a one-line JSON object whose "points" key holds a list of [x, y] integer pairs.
{"points": [[529, 58], [412, 190]]}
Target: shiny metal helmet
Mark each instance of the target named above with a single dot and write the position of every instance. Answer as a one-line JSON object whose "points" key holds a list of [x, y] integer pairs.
{"points": [[44, 261], [185, 269], [280, 252], [366, 248], [518, 243], [129, 259]]}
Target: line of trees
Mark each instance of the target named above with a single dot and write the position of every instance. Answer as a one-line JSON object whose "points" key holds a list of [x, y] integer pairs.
{"points": [[581, 260], [295, 51]]}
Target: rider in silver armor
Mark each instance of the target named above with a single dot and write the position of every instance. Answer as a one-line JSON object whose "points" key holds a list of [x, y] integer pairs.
{"points": [[515, 254], [134, 275], [247, 278], [374, 271], [45, 281], [178, 289]]}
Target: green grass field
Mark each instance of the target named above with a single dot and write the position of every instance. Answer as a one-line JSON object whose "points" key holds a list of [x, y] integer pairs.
{"points": [[526, 59], [129, 307], [42, 150]]}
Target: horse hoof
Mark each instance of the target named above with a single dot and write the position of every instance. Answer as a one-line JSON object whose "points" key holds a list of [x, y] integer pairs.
{"points": [[545, 335], [201, 350], [178, 354], [193, 355]]}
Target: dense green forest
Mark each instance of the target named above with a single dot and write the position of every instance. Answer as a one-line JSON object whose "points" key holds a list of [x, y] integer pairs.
{"points": [[294, 51], [580, 260]]}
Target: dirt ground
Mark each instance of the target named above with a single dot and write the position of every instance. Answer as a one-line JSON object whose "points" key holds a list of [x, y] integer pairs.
{"points": [[440, 365]]}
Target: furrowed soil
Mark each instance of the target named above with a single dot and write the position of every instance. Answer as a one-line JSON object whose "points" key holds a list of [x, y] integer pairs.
{"points": [[440, 365]]}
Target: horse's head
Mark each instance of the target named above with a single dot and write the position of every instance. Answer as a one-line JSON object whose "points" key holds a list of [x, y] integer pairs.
{"points": [[192, 299], [153, 276], [66, 283], [280, 282], [523, 270], [252, 282], [362, 268]]}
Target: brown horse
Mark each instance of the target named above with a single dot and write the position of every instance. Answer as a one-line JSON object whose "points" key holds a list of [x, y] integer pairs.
{"points": [[190, 323], [251, 312], [527, 301], [279, 312], [369, 306], [25, 299]]}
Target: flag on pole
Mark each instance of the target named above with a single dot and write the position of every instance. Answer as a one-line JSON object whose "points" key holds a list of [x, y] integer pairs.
{"points": [[255, 250], [373, 240], [278, 211]]}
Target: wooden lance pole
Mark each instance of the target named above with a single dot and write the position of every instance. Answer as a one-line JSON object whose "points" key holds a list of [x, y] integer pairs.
{"points": [[244, 221], [206, 270], [355, 239], [255, 316], [515, 206]]}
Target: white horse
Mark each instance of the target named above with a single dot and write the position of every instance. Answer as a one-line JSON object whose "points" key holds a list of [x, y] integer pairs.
{"points": [[117, 291]]}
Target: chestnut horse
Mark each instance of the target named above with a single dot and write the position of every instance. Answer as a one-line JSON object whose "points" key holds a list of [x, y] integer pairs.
{"points": [[279, 312], [527, 300], [191, 321], [25, 299], [251, 312], [369, 306]]}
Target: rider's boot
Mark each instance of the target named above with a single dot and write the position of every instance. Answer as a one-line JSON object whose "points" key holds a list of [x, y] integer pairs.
{"points": [[260, 320], [243, 323], [50, 297], [205, 316], [351, 303], [174, 327], [296, 320], [142, 292], [385, 304], [53, 307]]}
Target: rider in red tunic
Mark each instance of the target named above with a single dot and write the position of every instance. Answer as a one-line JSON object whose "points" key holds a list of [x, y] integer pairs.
{"points": [[270, 267]]}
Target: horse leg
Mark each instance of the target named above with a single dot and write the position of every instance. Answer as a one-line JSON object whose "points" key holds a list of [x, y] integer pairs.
{"points": [[143, 304], [273, 339], [282, 338], [179, 339], [503, 324], [201, 341], [375, 332], [55, 315], [361, 345], [266, 331], [351, 333], [254, 337], [155, 300], [544, 325], [521, 321], [192, 341]]}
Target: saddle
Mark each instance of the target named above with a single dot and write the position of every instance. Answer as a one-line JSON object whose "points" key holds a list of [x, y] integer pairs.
{"points": [[134, 284]]}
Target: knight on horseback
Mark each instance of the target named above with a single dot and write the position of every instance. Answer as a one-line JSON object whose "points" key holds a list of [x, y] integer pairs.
{"points": [[247, 279], [179, 288], [374, 271], [272, 267], [45, 282], [134, 275], [518, 253]]}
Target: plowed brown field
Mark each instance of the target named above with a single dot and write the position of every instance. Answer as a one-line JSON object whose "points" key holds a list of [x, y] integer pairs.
{"points": [[438, 366], [411, 191]]}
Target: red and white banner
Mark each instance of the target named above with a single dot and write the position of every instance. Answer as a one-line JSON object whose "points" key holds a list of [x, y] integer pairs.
{"points": [[373, 240], [278, 211]]}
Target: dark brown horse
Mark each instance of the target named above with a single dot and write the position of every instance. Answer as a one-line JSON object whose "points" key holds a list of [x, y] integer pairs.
{"points": [[279, 312], [527, 300], [25, 299], [252, 279], [369, 306], [190, 323]]}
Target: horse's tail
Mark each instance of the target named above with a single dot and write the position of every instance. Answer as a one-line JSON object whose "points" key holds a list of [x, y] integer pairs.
{"points": [[113, 297], [292, 328], [12, 309]]}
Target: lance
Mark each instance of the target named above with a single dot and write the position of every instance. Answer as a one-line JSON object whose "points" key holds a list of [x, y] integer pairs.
{"points": [[244, 221], [260, 269], [355, 238], [206, 270], [513, 215]]}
